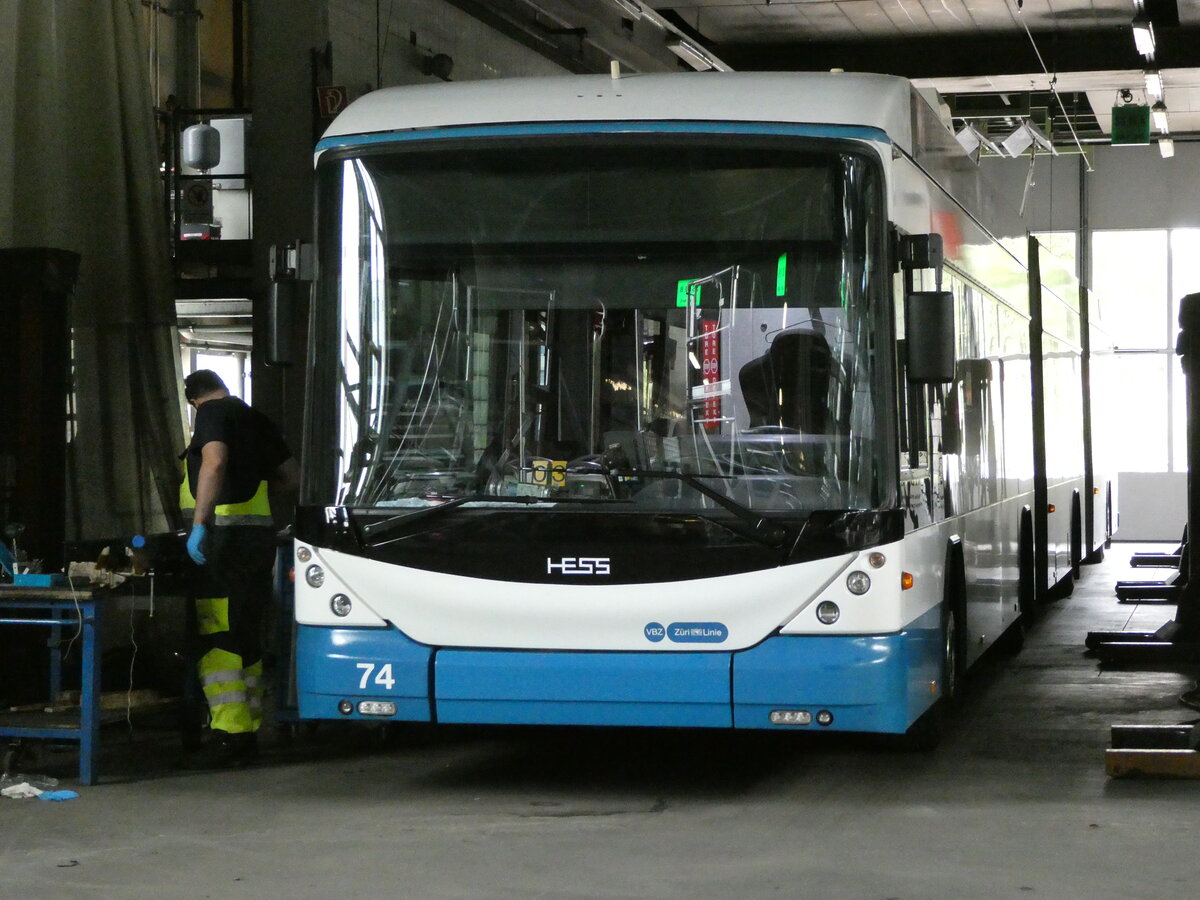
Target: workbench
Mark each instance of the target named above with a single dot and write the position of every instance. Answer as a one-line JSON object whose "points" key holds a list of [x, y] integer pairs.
{"points": [[66, 611]]}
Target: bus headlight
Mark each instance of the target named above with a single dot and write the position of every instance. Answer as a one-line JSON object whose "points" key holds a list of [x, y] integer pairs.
{"points": [[303, 554], [341, 605], [858, 583], [828, 612], [314, 575]]}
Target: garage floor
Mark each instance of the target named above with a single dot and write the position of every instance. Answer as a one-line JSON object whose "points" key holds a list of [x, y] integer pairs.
{"points": [[1014, 804]]}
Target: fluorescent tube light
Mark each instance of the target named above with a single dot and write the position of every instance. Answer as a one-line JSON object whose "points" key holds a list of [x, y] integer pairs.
{"points": [[971, 140], [1154, 85], [1143, 36], [1017, 142], [1040, 138], [1158, 112]]}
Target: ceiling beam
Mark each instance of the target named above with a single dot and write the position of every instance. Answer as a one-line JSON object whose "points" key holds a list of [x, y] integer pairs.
{"points": [[969, 56], [582, 36]]}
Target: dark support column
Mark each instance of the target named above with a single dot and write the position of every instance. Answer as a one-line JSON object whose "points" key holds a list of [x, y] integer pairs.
{"points": [[1037, 380], [1084, 242], [35, 284], [282, 34], [1188, 347], [34, 371]]}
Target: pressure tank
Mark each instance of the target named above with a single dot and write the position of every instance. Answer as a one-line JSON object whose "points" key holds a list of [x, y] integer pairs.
{"points": [[201, 147]]}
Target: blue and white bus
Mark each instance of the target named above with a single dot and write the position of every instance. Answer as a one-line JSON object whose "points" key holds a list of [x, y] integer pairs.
{"points": [[612, 417]]}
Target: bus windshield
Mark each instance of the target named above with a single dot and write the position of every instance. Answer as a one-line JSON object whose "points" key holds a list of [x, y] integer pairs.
{"points": [[564, 320]]}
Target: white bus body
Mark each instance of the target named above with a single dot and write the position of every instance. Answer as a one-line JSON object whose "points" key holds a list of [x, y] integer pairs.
{"points": [[607, 420]]}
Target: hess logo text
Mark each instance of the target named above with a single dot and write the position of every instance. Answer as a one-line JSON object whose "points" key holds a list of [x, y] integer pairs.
{"points": [[578, 565]]}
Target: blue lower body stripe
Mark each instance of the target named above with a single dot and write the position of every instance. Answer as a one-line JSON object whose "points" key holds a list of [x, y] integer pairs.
{"points": [[680, 689], [877, 683]]}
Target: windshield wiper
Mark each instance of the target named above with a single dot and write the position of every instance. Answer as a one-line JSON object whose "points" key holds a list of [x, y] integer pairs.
{"points": [[766, 531], [372, 532]]}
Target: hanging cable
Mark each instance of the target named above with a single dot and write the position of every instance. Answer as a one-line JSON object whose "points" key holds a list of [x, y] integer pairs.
{"points": [[1053, 90]]}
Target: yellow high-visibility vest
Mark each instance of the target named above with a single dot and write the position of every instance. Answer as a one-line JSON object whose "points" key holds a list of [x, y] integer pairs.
{"points": [[255, 511]]}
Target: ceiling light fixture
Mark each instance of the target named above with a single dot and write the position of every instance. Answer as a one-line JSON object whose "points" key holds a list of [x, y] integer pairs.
{"points": [[1166, 147], [1040, 138], [974, 142], [1026, 136], [1158, 112], [1143, 36], [692, 56], [1154, 84], [1017, 142]]}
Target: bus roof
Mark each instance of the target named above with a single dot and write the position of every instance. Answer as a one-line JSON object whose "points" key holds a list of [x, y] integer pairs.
{"points": [[880, 102]]}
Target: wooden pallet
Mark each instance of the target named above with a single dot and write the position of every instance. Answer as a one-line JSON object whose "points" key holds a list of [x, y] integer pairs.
{"points": [[1157, 751]]}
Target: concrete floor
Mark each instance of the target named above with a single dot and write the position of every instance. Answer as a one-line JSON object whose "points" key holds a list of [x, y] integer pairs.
{"points": [[1014, 804]]}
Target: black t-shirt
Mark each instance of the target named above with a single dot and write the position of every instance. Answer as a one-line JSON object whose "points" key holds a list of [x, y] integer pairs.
{"points": [[256, 447]]}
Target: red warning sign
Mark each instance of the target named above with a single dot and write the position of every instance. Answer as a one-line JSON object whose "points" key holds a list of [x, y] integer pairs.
{"points": [[710, 360]]}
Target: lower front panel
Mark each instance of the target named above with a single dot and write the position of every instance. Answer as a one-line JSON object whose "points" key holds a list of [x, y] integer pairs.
{"points": [[877, 684], [516, 687], [861, 683], [334, 665]]}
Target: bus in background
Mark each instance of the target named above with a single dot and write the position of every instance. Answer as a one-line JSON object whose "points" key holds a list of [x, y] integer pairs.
{"points": [[1094, 522], [675, 400]]}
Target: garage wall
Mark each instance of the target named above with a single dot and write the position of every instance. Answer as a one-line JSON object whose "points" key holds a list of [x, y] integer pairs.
{"points": [[1130, 187]]}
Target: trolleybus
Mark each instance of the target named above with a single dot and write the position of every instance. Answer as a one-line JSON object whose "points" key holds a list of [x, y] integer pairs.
{"points": [[714, 400]]}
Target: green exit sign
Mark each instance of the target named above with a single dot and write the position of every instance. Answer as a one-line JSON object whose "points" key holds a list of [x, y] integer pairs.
{"points": [[1130, 125]]}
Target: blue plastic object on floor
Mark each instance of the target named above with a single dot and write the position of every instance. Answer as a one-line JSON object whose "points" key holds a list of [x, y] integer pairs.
{"points": [[57, 796]]}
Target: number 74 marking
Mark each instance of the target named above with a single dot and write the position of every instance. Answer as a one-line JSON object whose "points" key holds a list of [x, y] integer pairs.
{"points": [[383, 677]]}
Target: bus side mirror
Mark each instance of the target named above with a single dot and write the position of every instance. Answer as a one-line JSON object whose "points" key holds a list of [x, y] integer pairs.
{"points": [[291, 270], [929, 337], [280, 303]]}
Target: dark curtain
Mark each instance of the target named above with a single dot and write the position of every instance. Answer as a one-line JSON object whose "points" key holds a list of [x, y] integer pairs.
{"points": [[86, 179]]}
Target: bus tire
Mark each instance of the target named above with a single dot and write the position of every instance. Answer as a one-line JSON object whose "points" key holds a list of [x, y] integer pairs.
{"points": [[1064, 588], [954, 631], [1076, 536], [926, 732], [1027, 604]]}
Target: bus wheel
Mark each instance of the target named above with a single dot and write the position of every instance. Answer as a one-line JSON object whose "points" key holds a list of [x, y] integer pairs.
{"points": [[953, 658], [926, 733], [1026, 585], [1064, 588], [1076, 536]]}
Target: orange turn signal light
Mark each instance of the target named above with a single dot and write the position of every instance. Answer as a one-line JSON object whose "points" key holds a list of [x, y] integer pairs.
{"points": [[1051, 508], [906, 580]]}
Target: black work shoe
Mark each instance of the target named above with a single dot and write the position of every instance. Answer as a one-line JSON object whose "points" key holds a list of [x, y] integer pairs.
{"points": [[227, 751]]}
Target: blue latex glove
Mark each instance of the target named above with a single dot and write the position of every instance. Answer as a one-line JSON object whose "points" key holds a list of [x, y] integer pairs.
{"points": [[195, 542], [57, 796]]}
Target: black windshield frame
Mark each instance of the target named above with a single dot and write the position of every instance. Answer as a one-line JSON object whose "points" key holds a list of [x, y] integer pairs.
{"points": [[320, 485]]}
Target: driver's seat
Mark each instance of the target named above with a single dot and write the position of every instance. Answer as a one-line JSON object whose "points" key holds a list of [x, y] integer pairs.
{"points": [[788, 386]]}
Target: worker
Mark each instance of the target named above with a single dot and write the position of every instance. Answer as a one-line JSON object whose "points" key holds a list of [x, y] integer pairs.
{"points": [[236, 459]]}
